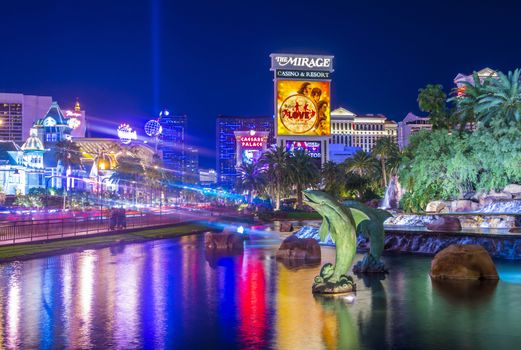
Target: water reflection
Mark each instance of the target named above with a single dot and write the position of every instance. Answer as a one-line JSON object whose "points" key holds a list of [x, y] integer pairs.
{"points": [[465, 292], [13, 308], [338, 328], [171, 293]]}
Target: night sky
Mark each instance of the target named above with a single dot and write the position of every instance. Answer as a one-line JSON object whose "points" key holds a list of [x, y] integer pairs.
{"points": [[126, 59]]}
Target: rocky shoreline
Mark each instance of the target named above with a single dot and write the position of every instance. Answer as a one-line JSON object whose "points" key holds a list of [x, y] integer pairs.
{"points": [[499, 246]]}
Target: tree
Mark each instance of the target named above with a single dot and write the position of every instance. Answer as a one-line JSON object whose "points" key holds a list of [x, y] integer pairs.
{"points": [[68, 153], [432, 99], [384, 149], [276, 163], [466, 99], [499, 104], [361, 164], [303, 173], [155, 176], [331, 176], [129, 170], [252, 179]]}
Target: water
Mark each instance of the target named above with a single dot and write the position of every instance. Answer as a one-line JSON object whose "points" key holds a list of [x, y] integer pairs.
{"points": [[169, 293], [393, 194]]}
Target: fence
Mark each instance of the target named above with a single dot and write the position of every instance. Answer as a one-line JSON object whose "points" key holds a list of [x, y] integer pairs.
{"points": [[37, 230]]}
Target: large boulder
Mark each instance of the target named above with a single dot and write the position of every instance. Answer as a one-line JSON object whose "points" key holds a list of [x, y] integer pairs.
{"points": [[445, 223], [294, 248], [463, 262], [436, 207], [494, 196], [226, 240], [513, 189], [286, 226], [463, 205]]}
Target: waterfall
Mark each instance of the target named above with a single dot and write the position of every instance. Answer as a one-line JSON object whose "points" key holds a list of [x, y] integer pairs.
{"points": [[393, 194]]}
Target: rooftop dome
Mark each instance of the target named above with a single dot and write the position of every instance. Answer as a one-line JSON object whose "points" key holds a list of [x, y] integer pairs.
{"points": [[33, 143]]}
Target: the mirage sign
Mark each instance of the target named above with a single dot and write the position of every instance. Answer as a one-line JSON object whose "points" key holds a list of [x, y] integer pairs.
{"points": [[301, 62]]}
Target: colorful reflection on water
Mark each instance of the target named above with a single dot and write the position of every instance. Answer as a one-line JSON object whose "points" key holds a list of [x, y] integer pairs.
{"points": [[171, 293]]}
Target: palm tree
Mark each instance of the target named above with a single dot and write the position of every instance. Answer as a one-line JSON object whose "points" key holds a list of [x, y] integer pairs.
{"points": [[129, 169], [154, 175], [384, 149], [432, 99], [304, 173], [361, 164], [466, 98], [500, 102], [251, 179], [276, 163], [68, 154], [331, 176]]}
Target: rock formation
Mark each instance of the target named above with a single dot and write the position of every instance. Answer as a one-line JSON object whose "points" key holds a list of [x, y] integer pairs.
{"points": [[465, 262], [304, 249], [226, 240], [445, 223]]}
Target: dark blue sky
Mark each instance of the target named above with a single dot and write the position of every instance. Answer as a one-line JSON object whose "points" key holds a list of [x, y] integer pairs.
{"points": [[213, 55]]}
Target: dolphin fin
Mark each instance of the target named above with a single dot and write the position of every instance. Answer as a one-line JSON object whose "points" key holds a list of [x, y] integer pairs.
{"points": [[382, 214], [358, 216], [324, 229]]}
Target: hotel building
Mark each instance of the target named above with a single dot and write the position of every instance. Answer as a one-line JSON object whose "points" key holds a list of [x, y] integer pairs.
{"points": [[173, 143], [359, 131], [18, 112], [226, 156], [409, 125]]}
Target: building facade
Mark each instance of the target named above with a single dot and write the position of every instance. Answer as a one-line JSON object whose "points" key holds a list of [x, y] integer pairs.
{"points": [[172, 143], [191, 170], [226, 157], [18, 112], [22, 168], [411, 124], [207, 177], [360, 131]]}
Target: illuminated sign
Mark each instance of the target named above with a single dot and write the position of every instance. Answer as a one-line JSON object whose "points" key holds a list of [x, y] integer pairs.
{"points": [[126, 134], [74, 123], [311, 148], [250, 156], [70, 113], [301, 62], [250, 145], [252, 141], [303, 108]]}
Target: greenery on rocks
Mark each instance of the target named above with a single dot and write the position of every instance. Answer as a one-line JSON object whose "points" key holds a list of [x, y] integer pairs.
{"points": [[474, 148]]}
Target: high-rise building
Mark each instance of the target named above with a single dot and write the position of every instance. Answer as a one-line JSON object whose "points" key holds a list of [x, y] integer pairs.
{"points": [[409, 125], [173, 143], [207, 176], [226, 156], [361, 131], [18, 112], [191, 170]]}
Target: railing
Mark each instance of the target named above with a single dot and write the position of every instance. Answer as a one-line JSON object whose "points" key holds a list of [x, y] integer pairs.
{"points": [[40, 230]]}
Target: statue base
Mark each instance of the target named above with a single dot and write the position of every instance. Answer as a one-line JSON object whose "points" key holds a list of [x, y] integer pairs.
{"points": [[324, 285], [369, 265], [333, 288]]}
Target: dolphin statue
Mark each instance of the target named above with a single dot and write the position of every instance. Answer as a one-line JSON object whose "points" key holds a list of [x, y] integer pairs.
{"points": [[341, 222], [374, 231]]}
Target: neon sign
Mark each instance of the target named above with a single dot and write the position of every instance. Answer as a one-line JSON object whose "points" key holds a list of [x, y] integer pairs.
{"points": [[126, 134], [70, 113]]}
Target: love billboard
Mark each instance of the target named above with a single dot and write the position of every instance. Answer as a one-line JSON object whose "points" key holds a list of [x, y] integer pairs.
{"points": [[303, 108]]}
